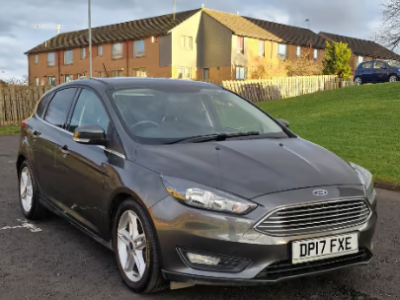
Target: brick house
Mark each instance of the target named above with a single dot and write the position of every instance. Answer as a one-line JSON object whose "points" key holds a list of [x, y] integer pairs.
{"points": [[362, 50], [198, 44]]}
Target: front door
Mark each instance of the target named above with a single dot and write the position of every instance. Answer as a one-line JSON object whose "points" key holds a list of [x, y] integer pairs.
{"points": [[84, 193]]}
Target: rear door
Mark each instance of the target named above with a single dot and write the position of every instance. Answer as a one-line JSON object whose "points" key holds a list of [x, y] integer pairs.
{"points": [[84, 194], [367, 72], [380, 71], [48, 138]]}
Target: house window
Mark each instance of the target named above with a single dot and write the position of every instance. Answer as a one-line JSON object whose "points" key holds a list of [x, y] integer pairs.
{"points": [[298, 51], [51, 80], [360, 59], [138, 48], [81, 75], [51, 59], [206, 74], [68, 78], [315, 53], [83, 52], [185, 72], [240, 44], [240, 72], [117, 51], [282, 51], [68, 57], [139, 72], [100, 50], [187, 42], [37, 81], [101, 75], [36, 58], [116, 73], [261, 48]]}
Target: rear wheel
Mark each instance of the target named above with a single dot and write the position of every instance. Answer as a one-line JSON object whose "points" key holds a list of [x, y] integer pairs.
{"points": [[29, 194], [392, 78], [136, 249], [357, 81]]}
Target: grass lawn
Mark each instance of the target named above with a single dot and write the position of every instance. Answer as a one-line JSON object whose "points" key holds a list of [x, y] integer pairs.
{"points": [[9, 130], [361, 124]]}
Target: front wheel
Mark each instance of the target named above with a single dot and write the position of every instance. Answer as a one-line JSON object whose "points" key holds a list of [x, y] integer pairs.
{"points": [[357, 81], [136, 249], [392, 78]]}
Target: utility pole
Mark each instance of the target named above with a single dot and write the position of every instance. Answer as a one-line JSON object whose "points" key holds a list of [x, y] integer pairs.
{"points": [[90, 39], [174, 8]]}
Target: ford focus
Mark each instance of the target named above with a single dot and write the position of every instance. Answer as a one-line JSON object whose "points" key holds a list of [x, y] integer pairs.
{"points": [[189, 183]]}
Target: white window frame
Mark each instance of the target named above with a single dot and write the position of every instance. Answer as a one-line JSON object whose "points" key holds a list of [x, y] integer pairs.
{"points": [[66, 61], [261, 48], [240, 72], [70, 76], [37, 81], [280, 53], [298, 51], [114, 53], [316, 53], [139, 72], [51, 54], [36, 58], [136, 52], [49, 80], [187, 42], [100, 50], [83, 52]]}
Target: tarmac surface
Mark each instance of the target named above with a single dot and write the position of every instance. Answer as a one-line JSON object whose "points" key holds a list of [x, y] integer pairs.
{"points": [[53, 260]]}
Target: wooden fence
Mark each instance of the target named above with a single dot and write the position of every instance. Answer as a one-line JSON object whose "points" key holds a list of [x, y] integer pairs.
{"points": [[17, 103], [283, 87]]}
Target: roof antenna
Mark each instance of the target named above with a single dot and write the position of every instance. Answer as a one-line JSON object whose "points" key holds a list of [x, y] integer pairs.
{"points": [[174, 9], [58, 28], [308, 20], [202, 6]]}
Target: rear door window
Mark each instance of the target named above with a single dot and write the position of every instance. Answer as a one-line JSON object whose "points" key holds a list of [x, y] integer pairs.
{"points": [[379, 64], [59, 107]]}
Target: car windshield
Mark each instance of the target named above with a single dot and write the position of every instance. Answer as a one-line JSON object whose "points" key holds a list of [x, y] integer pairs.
{"points": [[162, 115], [393, 63]]}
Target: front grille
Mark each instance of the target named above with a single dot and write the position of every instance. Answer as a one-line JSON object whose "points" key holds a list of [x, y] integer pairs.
{"points": [[287, 269], [315, 217]]}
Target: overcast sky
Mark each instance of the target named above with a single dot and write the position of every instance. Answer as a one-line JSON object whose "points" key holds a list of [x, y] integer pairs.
{"points": [[357, 18]]}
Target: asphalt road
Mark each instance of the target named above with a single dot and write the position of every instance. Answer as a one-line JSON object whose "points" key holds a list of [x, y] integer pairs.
{"points": [[60, 262]]}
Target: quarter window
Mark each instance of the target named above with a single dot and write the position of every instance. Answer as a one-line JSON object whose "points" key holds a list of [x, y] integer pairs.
{"points": [[42, 106], [89, 111], [58, 109]]}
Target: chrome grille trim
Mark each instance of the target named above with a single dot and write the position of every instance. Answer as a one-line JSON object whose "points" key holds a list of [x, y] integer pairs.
{"points": [[317, 216]]}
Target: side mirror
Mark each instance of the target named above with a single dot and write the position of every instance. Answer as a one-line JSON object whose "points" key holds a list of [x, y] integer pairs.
{"points": [[384, 67], [283, 122], [91, 135]]}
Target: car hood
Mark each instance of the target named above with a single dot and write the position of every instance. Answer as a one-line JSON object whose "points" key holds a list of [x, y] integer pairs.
{"points": [[252, 167]]}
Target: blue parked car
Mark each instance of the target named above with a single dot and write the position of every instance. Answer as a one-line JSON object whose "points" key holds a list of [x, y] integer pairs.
{"points": [[377, 71]]}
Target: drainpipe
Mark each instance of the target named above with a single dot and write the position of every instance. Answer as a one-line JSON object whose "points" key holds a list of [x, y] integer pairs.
{"points": [[127, 59], [59, 71]]}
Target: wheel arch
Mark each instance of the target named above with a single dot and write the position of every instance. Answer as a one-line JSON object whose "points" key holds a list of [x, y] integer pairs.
{"points": [[21, 158]]}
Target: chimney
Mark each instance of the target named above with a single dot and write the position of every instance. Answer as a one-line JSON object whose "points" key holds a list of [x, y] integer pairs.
{"points": [[237, 13], [202, 6]]}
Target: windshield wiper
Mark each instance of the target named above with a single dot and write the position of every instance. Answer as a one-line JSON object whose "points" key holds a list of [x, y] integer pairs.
{"points": [[214, 137]]}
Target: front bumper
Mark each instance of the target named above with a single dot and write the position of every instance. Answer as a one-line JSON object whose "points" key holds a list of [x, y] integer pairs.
{"points": [[183, 227]]}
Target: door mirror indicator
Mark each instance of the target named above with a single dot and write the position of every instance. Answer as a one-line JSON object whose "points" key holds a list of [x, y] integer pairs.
{"points": [[91, 135]]}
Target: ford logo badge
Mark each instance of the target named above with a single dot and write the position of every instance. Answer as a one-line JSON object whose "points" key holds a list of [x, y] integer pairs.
{"points": [[320, 193]]}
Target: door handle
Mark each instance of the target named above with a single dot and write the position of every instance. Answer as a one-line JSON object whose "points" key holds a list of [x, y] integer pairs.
{"points": [[64, 149], [36, 134]]}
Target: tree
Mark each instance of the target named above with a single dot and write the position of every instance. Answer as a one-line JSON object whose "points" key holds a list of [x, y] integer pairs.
{"points": [[389, 32], [23, 80], [304, 66], [268, 68], [336, 61]]}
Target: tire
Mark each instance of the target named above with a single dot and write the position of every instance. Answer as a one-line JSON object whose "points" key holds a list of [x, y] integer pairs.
{"points": [[131, 249], [357, 81], [393, 78], [29, 195]]}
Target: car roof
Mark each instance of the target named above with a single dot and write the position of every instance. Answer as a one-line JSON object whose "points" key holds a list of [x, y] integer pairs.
{"points": [[132, 82]]}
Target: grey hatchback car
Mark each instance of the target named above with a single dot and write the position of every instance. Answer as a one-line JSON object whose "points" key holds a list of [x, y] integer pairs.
{"points": [[188, 183]]}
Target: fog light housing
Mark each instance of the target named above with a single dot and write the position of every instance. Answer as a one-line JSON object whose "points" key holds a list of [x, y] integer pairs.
{"points": [[212, 261], [202, 259]]}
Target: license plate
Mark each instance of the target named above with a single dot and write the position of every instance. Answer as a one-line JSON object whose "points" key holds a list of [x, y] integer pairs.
{"points": [[322, 248]]}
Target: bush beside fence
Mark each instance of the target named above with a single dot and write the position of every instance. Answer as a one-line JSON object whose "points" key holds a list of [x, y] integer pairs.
{"points": [[283, 87], [17, 103]]}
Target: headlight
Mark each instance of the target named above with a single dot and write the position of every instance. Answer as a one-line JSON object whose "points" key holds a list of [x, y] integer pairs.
{"points": [[366, 179], [200, 196]]}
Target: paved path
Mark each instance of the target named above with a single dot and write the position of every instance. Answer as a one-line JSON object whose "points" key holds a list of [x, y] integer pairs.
{"points": [[60, 262]]}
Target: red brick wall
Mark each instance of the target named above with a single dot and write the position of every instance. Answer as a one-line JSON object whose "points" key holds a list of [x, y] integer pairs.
{"points": [[150, 61]]}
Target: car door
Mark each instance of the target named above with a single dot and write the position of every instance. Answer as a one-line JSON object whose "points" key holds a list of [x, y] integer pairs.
{"points": [[366, 72], [84, 195], [46, 136], [380, 71]]}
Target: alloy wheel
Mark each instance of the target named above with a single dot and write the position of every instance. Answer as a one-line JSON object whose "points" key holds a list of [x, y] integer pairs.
{"points": [[392, 78], [132, 246], [357, 81], [26, 189]]}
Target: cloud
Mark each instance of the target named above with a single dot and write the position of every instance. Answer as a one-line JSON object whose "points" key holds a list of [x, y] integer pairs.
{"points": [[18, 33]]}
